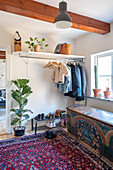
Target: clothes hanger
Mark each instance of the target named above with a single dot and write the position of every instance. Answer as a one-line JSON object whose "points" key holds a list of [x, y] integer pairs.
{"points": [[46, 66], [53, 66], [55, 63], [69, 63]]}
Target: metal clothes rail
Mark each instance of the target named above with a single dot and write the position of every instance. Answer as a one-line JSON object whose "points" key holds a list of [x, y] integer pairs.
{"points": [[50, 56]]}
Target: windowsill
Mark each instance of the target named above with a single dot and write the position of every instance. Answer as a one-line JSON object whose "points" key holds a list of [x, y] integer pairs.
{"points": [[100, 98]]}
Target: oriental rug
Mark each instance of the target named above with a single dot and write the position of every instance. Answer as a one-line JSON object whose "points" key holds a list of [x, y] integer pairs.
{"points": [[35, 152]]}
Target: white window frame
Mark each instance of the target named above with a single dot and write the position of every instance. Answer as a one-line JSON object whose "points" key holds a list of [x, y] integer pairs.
{"points": [[94, 60]]}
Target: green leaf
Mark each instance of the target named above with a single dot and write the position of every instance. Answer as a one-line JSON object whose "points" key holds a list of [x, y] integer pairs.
{"points": [[24, 102], [18, 99], [17, 111], [28, 94], [27, 42], [36, 38], [41, 47], [46, 45], [15, 120], [26, 89], [26, 116], [31, 49], [32, 44], [27, 110], [16, 83], [43, 39], [16, 92], [23, 82], [31, 38]]}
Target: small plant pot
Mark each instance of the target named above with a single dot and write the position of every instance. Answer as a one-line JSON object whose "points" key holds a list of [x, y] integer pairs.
{"points": [[36, 48], [19, 131], [107, 94], [96, 91]]}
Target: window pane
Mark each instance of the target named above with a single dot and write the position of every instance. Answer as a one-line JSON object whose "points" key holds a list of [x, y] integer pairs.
{"points": [[104, 65], [104, 82]]}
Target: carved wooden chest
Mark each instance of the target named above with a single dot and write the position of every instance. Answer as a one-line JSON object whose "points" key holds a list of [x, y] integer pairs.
{"points": [[93, 127]]}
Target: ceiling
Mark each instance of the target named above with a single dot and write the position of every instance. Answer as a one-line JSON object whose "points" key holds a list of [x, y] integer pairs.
{"points": [[98, 9]]}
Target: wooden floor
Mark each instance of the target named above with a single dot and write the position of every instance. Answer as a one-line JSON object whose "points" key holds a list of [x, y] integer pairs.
{"points": [[8, 136]]}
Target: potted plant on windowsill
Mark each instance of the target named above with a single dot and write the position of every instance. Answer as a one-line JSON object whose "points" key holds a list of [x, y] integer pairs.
{"points": [[35, 44], [20, 95], [107, 93], [96, 90]]}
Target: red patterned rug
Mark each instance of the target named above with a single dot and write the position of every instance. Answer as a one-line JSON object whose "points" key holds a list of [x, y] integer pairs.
{"points": [[36, 152]]}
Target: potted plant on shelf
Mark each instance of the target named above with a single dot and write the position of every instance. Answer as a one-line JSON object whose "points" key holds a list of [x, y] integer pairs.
{"points": [[107, 93], [35, 44], [20, 95], [96, 90]]}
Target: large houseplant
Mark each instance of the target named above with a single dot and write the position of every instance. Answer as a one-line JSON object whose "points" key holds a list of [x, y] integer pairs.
{"points": [[35, 44], [20, 95], [96, 90]]}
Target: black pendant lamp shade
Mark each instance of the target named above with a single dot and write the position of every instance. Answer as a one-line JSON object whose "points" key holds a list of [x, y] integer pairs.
{"points": [[63, 19]]}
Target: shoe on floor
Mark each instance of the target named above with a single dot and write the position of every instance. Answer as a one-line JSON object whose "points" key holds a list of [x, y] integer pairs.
{"points": [[49, 124], [50, 134], [43, 116], [54, 124]]}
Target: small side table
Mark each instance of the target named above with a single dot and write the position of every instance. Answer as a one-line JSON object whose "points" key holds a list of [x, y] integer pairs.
{"points": [[44, 121]]}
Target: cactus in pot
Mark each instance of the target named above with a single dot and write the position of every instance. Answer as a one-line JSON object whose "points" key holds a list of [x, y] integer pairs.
{"points": [[96, 90]]}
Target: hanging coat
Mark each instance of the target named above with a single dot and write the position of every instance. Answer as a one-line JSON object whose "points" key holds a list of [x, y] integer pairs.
{"points": [[60, 72], [83, 84], [75, 81]]}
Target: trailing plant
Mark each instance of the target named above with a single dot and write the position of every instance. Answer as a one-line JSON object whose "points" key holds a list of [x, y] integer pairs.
{"points": [[33, 42], [20, 95]]}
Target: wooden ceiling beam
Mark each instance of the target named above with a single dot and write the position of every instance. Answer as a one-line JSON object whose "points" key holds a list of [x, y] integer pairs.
{"points": [[40, 11], [2, 54]]}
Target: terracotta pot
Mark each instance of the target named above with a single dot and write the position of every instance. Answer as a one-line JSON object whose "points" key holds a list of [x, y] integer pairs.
{"points": [[107, 94], [96, 91], [36, 48]]}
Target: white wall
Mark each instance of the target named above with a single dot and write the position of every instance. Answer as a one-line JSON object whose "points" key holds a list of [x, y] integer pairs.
{"points": [[2, 74], [90, 44], [100, 104], [45, 97]]}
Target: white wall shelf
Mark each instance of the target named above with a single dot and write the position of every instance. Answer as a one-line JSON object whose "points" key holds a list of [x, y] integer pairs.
{"points": [[50, 56]]}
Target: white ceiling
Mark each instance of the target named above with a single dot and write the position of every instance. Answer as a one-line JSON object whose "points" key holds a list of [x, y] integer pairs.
{"points": [[98, 9]]}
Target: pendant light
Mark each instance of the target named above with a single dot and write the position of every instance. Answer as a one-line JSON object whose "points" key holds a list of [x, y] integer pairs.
{"points": [[63, 19]]}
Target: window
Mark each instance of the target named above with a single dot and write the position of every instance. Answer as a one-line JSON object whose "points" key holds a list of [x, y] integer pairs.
{"points": [[105, 73], [104, 63]]}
